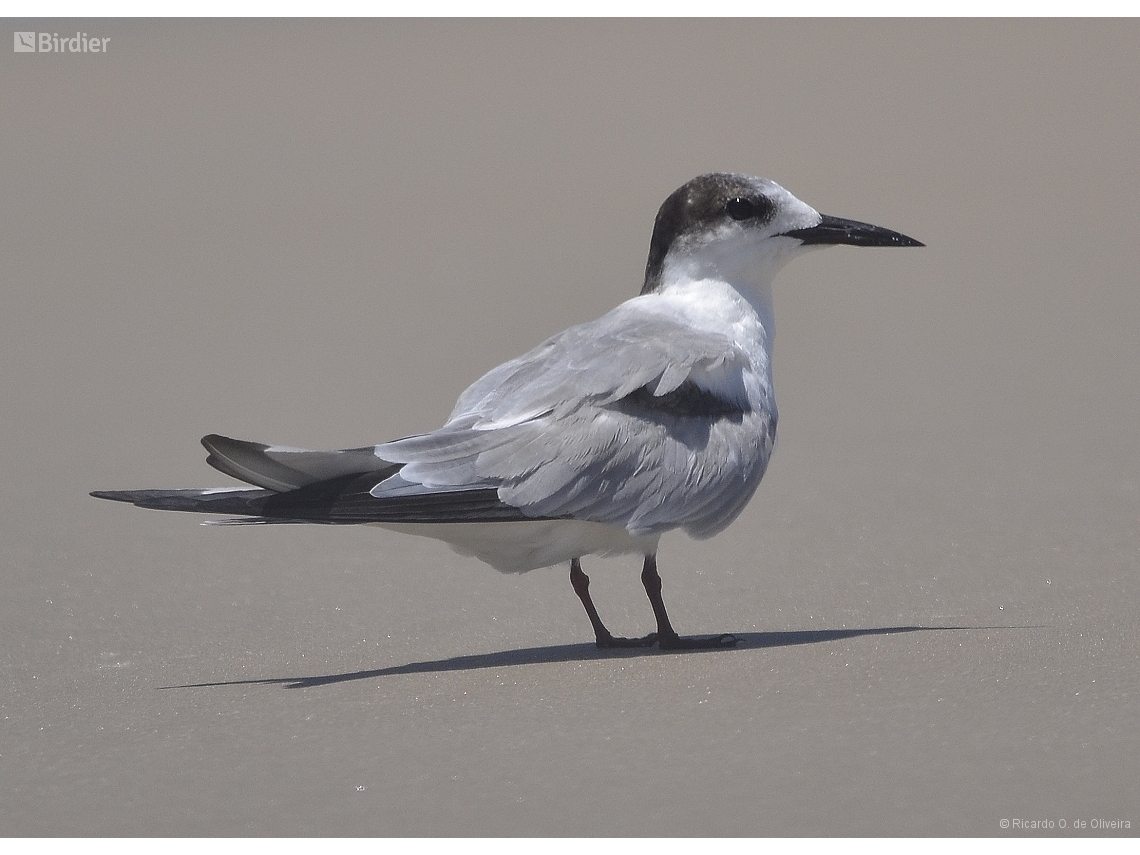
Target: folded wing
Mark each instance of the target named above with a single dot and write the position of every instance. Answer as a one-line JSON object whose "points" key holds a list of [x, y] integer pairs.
{"points": [[639, 420]]}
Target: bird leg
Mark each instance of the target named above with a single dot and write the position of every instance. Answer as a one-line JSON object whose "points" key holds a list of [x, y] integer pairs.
{"points": [[581, 583], [667, 638]]}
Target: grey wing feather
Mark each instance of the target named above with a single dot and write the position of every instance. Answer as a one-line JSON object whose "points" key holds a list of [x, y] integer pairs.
{"points": [[279, 468], [602, 360], [599, 423]]}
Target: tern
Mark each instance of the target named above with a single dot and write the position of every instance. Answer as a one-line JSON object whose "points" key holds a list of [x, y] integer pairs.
{"points": [[659, 415]]}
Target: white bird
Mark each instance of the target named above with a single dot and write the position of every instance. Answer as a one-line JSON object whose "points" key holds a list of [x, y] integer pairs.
{"points": [[656, 416]]}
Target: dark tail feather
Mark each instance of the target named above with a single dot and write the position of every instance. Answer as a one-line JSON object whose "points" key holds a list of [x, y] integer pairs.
{"points": [[224, 501], [345, 500]]}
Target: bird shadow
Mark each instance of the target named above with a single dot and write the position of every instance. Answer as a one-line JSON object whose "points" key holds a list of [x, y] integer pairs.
{"points": [[576, 653]]}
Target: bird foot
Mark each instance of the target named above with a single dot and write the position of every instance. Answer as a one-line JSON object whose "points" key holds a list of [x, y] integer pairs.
{"points": [[608, 641], [690, 642]]}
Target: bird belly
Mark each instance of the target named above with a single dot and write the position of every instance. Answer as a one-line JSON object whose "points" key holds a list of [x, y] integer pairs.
{"points": [[516, 547]]}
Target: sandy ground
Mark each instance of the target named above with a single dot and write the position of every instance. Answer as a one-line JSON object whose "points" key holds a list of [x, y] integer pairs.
{"points": [[319, 233]]}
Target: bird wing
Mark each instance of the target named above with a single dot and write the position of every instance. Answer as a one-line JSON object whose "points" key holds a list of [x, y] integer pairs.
{"points": [[638, 419]]}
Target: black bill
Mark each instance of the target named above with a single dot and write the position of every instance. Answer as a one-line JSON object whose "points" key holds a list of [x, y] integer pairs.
{"points": [[838, 230]]}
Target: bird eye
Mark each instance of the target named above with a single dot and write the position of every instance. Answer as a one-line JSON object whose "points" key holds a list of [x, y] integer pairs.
{"points": [[739, 209]]}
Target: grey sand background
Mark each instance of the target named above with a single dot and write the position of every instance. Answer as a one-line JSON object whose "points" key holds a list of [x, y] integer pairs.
{"points": [[318, 234]]}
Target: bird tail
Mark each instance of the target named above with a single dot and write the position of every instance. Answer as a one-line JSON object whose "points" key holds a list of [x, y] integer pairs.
{"points": [[330, 487], [274, 469], [224, 500]]}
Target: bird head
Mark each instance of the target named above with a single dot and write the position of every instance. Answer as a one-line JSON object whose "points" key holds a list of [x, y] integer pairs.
{"points": [[742, 230]]}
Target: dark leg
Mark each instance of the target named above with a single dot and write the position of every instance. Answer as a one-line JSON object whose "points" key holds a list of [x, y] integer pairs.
{"points": [[667, 637], [581, 583]]}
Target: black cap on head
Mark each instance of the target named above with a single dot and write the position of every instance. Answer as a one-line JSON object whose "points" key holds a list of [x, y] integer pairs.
{"points": [[698, 206]]}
